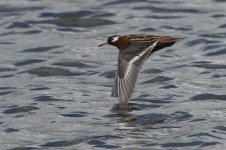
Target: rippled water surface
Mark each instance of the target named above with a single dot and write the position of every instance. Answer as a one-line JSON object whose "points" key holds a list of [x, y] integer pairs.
{"points": [[56, 83]]}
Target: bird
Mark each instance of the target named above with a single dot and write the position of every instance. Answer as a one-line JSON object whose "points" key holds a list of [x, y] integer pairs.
{"points": [[133, 51]]}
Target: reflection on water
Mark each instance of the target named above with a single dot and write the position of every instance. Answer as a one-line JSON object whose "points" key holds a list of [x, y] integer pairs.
{"points": [[56, 83]]}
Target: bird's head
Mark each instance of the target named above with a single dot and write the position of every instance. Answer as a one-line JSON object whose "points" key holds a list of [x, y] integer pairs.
{"points": [[118, 41]]}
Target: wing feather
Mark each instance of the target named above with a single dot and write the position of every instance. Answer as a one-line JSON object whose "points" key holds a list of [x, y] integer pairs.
{"points": [[114, 92], [127, 73]]}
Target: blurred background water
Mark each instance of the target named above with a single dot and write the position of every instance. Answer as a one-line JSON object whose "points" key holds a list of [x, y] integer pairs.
{"points": [[56, 83]]}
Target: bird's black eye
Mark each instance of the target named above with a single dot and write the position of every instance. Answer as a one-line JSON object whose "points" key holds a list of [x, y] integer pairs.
{"points": [[110, 39], [113, 39]]}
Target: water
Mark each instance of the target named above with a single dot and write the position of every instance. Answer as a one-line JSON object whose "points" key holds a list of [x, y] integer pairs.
{"points": [[56, 83]]}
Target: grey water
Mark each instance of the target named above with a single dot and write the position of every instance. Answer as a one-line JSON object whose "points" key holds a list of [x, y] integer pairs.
{"points": [[55, 83]]}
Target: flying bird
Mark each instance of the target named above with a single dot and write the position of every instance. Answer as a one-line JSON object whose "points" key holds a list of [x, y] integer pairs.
{"points": [[133, 51]]}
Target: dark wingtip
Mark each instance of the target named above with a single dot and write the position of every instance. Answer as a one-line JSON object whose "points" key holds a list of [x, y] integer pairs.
{"points": [[167, 42]]}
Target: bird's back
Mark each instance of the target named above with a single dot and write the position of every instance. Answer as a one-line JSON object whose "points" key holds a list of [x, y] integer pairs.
{"points": [[137, 43]]}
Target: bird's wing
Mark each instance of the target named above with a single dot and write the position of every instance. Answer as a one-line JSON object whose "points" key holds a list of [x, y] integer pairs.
{"points": [[127, 73], [114, 92]]}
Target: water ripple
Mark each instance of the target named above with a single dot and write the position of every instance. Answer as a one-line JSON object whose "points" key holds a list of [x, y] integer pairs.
{"points": [[208, 96], [217, 53], [45, 98], [22, 25], [74, 64], [10, 130], [208, 65], [50, 71], [169, 10], [198, 144], [24, 148], [157, 79], [75, 114], [28, 62], [78, 14], [20, 109], [63, 143], [40, 49], [75, 22]]}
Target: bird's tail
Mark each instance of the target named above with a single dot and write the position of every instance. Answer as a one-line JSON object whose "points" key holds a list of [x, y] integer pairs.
{"points": [[166, 41]]}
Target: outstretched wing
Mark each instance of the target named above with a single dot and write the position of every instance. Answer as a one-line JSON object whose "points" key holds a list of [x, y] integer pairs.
{"points": [[127, 72]]}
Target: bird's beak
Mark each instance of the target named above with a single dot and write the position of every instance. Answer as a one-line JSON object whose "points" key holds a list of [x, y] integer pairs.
{"points": [[104, 43]]}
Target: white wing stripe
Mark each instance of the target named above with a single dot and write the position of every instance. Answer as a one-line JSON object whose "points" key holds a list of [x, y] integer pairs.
{"points": [[123, 90], [130, 66], [125, 85]]}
